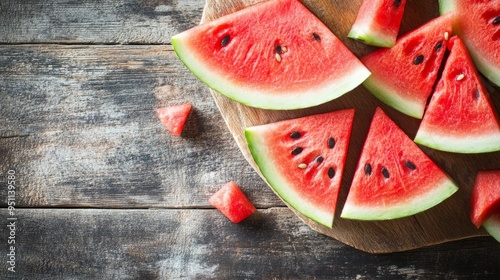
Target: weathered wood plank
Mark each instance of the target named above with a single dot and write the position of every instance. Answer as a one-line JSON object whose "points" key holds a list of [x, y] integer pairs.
{"points": [[79, 129], [202, 244], [95, 21]]}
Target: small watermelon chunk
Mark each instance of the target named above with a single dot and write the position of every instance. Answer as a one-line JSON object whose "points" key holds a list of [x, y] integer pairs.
{"points": [[174, 117], [492, 225], [378, 22], [303, 160], [485, 197], [232, 202], [394, 178], [272, 55], [478, 24], [404, 75], [460, 116]]}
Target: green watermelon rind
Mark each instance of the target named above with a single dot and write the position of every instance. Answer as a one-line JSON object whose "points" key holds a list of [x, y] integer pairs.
{"points": [[439, 193], [371, 37], [257, 97], [472, 144], [392, 98], [489, 70], [492, 226], [279, 184]]}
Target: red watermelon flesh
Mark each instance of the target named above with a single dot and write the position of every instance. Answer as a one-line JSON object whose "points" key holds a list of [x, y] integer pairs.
{"points": [[492, 225], [460, 116], [232, 202], [378, 22], [393, 178], [478, 24], [485, 197], [273, 55], [303, 160], [404, 75], [174, 117]]}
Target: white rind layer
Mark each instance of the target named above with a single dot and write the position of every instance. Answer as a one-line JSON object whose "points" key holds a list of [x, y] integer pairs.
{"points": [[455, 144], [439, 193], [492, 226], [391, 97]]}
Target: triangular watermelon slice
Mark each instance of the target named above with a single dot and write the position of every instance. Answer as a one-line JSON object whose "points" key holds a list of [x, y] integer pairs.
{"points": [[174, 117], [273, 55], [460, 117], [478, 24], [394, 178], [404, 75], [378, 22], [303, 160]]}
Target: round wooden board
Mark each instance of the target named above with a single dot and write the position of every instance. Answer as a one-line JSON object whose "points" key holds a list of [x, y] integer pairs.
{"points": [[444, 222]]}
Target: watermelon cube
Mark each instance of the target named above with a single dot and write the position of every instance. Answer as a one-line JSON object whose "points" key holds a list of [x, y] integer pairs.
{"points": [[174, 117], [232, 202]]}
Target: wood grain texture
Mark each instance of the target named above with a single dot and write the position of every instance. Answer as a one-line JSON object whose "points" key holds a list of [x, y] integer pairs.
{"points": [[445, 222], [203, 244], [95, 21], [79, 127]]}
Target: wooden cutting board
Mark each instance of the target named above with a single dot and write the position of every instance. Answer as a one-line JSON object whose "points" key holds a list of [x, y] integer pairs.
{"points": [[444, 222]]}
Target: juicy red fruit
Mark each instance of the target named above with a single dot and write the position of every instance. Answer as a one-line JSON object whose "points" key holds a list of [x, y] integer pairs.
{"points": [[174, 117], [232, 202], [485, 197]]}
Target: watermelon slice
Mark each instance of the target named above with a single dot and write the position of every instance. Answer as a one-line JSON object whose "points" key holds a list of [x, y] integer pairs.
{"points": [[404, 75], [378, 22], [273, 55], [174, 117], [478, 24], [492, 225], [394, 178], [232, 202], [485, 197], [460, 117], [303, 160]]}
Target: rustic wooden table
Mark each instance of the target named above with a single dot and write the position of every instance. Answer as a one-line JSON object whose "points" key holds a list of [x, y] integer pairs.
{"points": [[103, 192]]}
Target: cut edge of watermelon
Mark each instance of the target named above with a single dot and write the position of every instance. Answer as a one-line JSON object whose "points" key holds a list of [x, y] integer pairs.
{"points": [[390, 97], [245, 95], [419, 204], [458, 144], [371, 36], [492, 226], [276, 181]]}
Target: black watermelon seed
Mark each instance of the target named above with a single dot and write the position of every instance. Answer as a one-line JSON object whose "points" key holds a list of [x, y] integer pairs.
{"points": [[295, 135], [316, 37], [410, 165], [297, 151], [476, 94], [439, 45], [331, 172], [397, 3], [278, 49], [368, 169], [385, 172], [225, 41], [419, 59], [319, 159], [331, 142], [496, 20]]}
